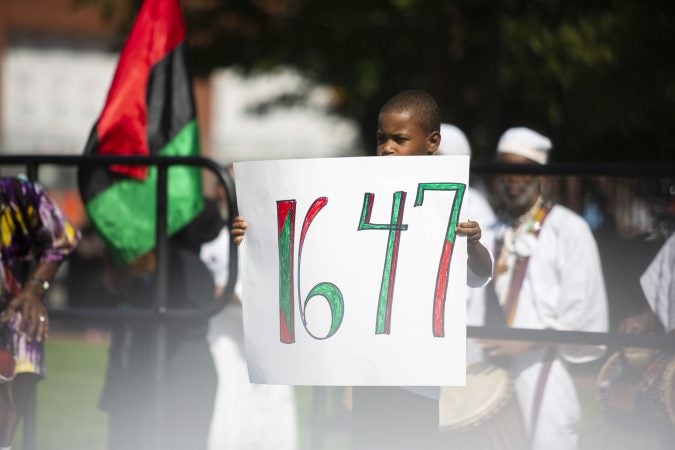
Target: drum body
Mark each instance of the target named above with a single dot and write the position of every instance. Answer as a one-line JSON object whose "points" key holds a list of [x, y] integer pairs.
{"points": [[636, 388], [484, 414]]}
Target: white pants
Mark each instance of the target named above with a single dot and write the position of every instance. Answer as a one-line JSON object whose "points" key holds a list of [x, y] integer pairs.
{"points": [[246, 416]]}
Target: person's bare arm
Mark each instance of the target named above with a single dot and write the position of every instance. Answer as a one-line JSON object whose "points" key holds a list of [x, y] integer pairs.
{"points": [[478, 257], [35, 321], [640, 323]]}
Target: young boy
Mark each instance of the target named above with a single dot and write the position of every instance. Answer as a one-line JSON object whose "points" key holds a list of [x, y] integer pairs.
{"points": [[393, 417]]}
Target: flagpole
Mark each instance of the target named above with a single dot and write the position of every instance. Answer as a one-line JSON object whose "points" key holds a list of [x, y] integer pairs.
{"points": [[161, 304]]}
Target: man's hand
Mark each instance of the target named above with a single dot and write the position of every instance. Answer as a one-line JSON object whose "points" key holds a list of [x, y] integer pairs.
{"points": [[35, 322], [639, 323], [505, 348], [471, 230], [238, 230]]}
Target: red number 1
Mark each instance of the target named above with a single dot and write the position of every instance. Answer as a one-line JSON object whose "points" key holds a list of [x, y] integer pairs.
{"points": [[329, 291]]}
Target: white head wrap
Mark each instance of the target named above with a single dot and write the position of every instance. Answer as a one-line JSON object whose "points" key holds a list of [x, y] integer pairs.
{"points": [[453, 141], [525, 142]]}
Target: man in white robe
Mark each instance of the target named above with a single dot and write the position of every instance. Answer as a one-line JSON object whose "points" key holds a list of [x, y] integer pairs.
{"points": [[658, 287], [562, 288]]}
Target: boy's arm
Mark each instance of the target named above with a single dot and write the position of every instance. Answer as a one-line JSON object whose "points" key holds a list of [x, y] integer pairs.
{"points": [[479, 260], [478, 257], [238, 230]]}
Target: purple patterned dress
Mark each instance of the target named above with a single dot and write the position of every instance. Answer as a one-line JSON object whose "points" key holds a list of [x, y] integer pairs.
{"points": [[32, 228]]}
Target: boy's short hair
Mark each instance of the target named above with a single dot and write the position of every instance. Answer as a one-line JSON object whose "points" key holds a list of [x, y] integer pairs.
{"points": [[420, 104]]}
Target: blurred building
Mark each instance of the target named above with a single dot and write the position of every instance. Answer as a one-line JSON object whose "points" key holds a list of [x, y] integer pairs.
{"points": [[276, 115], [57, 59]]}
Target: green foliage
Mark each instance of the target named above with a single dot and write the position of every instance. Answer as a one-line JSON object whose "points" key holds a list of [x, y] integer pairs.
{"points": [[595, 76]]}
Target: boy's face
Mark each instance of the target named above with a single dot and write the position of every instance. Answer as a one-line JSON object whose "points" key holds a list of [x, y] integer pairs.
{"points": [[399, 134]]}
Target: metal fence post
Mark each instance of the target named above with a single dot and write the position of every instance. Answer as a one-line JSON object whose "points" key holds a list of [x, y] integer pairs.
{"points": [[161, 303], [318, 432]]}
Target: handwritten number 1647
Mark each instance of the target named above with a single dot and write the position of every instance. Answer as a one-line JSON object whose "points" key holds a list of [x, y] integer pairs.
{"points": [[286, 210]]}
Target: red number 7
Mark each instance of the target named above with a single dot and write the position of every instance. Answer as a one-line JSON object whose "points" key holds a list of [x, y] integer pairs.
{"points": [[446, 253]]}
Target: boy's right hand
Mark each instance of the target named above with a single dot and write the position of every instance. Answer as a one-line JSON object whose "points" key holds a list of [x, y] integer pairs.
{"points": [[238, 230], [471, 230]]}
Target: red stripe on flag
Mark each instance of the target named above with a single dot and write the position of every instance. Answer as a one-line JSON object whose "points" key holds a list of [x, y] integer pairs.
{"points": [[156, 31]]}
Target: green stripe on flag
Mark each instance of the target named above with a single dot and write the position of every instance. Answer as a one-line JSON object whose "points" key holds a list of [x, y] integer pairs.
{"points": [[124, 214]]}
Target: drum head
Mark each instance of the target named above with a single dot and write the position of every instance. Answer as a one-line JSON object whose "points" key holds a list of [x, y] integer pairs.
{"points": [[617, 384], [488, 388], [637, 389]]}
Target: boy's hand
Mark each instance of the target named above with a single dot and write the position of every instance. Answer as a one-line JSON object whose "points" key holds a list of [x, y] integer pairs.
{"points": [[238, 230], [478, 257], [471, 230]]}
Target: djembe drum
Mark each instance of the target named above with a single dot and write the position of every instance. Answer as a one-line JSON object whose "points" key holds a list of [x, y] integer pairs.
{"points": [[637, 388], [484, 414]]}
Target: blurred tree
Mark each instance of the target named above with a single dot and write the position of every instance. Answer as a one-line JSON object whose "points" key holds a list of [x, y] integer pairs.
{"points": [[595, 76]]}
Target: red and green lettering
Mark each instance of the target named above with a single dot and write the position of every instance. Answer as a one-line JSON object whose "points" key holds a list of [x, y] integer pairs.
{"points": [[286, 239], [446, 254], [395, 226], [286, 242], [328, 291]]}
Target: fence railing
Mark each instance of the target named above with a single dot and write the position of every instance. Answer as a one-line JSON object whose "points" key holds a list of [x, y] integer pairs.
{"points": [[159, 314], [610, 339]]}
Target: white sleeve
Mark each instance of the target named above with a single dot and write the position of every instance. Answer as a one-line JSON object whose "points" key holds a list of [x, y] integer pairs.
{"points": [[216, 256], [658, 287], [479, 209], [582, 304]]}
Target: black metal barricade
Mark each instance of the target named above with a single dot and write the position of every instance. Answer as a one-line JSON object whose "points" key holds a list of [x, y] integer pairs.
{"points": [[160, 313], [664, 342]]}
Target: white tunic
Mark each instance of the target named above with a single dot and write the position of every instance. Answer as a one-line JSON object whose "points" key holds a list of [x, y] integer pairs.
{"points": [[563, 289], [479, 210], [658, 284]]}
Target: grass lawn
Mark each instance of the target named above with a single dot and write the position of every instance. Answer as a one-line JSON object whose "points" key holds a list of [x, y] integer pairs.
{"points": [[67, 404]]}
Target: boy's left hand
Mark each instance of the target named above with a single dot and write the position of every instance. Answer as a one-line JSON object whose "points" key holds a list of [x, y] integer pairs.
{"points": [[238, 230], [471, 230]]}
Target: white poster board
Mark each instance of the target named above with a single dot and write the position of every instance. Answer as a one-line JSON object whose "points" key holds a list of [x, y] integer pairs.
{"points": [[372, 240]]}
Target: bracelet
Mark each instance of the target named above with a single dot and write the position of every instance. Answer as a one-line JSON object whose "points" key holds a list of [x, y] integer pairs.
{"points": [[44, 284]]}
